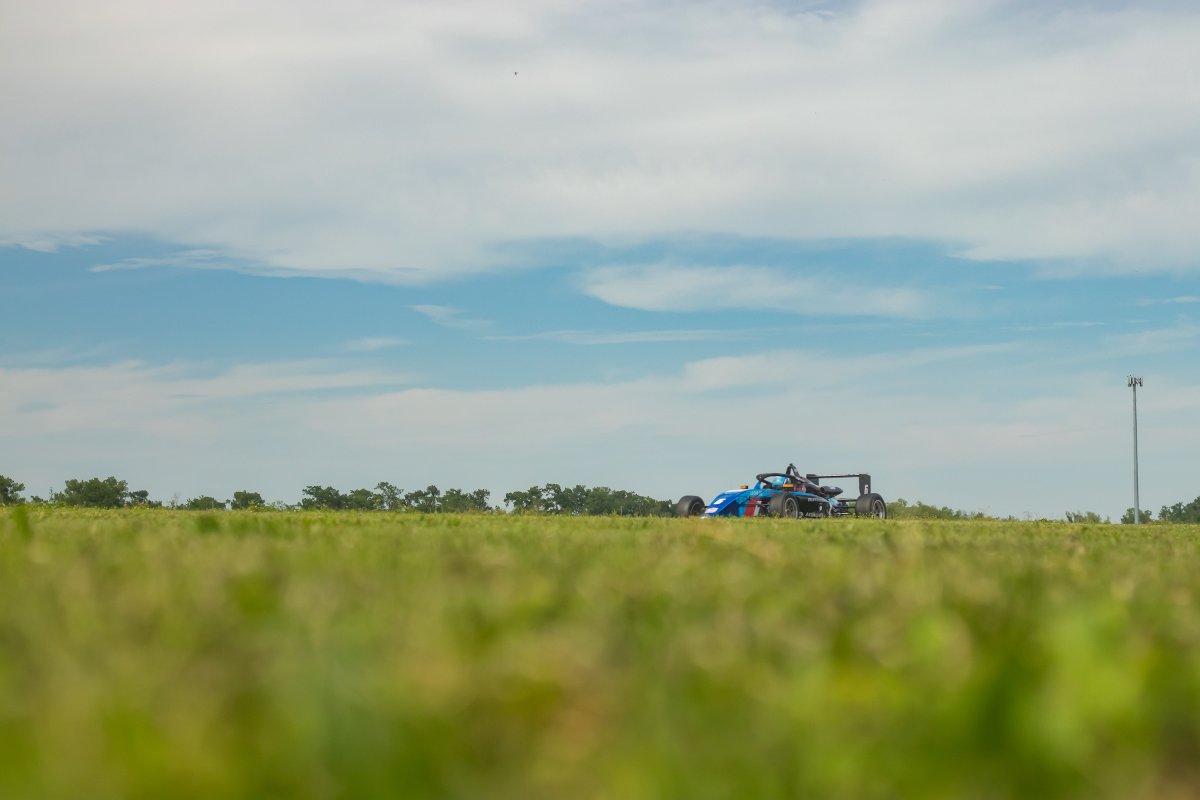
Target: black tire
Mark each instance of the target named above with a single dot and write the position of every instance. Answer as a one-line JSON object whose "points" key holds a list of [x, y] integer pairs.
{"points": [[689, 506], [784, 505], [870, 505]]}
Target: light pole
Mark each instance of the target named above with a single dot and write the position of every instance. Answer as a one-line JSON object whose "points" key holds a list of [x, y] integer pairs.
{"points": [[1134, 383]]}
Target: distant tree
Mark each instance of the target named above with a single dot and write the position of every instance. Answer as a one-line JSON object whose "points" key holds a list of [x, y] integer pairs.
{"points": [[246, 500], [428, 500], [325, 497], [362, 500], [1181, 512], [632, 504], [10, 491], [94, 493], [142, 498], [1127, 517], [560, 500], [1084, 516], [530, 501], [552, 498], [389, 496], [456, 500], [620, 502], [600, 500], [204, 503]]}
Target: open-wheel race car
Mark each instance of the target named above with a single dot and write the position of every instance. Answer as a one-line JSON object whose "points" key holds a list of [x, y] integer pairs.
{"points": [[788, 494]]}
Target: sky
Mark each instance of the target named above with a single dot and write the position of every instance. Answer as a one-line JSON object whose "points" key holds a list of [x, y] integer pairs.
{"points": [[654, 245]]}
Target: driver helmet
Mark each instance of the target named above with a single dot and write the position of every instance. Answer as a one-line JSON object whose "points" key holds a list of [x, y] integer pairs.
{"points": [[778, 481]]}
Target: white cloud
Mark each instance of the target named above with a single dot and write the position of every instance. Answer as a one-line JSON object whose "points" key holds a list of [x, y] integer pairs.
{"points": [[670, 287], [393, 139]]}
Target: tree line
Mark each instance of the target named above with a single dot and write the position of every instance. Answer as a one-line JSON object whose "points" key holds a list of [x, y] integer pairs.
{"points": [[902, 509], [555, 499], [551, 498], [1183, 513], [1179, 512], [111, 492]]}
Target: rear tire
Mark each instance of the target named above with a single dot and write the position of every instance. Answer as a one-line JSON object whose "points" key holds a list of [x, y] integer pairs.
{"points": [[689, 506], [784, 505], [870, 505]]}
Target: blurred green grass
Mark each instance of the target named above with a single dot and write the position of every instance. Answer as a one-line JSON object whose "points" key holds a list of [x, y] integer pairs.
{"points": [[157, 653]]}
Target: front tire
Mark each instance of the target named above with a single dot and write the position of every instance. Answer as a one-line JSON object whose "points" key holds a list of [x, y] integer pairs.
{"points": [[871, 505], [689, 506], [784, 505]]}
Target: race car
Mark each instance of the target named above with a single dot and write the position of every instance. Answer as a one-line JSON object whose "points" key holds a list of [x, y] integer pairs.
{"points": [[787, 494]]}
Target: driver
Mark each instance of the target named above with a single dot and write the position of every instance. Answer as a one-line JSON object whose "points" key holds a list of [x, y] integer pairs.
{"points": [[794, 477], [802, 483]]}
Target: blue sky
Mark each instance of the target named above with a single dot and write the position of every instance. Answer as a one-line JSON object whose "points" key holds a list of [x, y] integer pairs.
{"points": [[269, 247]]}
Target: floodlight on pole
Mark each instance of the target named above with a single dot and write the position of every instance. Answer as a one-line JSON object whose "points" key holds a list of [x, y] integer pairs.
{"points": [[1133, 383]]}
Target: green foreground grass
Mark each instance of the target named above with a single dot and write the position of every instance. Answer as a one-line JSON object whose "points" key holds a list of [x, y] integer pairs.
{"points": [[174, 654]]}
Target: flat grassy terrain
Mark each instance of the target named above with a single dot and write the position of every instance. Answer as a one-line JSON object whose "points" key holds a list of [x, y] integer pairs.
{"points": [[183, 654]]}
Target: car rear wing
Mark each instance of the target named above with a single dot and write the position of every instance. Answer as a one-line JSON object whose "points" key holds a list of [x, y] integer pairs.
{"points": [[864, 480]]}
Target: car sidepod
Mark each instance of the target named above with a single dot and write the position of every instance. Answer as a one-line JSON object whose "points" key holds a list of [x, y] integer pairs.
{"points": [[820, 506], [729, 504]]}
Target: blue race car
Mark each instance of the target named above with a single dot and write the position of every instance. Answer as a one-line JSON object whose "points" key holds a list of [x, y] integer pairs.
{"points": [[787, 494]]}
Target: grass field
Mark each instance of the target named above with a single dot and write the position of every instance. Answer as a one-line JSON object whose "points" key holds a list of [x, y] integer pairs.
{"points": [[181, 654]]}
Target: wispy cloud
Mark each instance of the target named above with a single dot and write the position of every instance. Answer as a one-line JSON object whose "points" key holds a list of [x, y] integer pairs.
{"points": [[371, 344], [1184, 299], [593, 337], [671, 287], [1061, 325], [1185, 335], [136, 395], [57, 357], [819, 369], [187, 258], [49, 242], [449, 317]]}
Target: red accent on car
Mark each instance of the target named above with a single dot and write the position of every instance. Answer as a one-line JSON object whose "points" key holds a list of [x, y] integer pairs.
{"points": [[752, 507]]}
